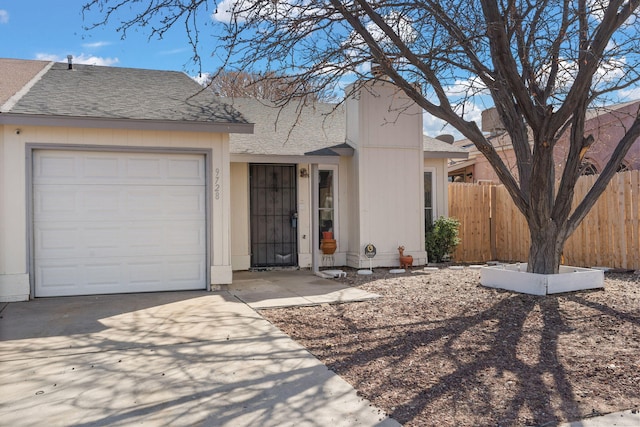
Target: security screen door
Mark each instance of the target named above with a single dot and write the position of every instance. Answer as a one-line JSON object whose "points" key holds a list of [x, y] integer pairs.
{"points": [[273, 215]]}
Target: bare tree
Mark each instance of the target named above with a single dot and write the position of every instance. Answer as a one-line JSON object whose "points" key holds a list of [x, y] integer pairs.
{"points": [[541, 63], [268, 86]]}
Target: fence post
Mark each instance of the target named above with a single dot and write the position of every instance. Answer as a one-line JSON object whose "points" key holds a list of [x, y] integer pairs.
{"points": [[492, 223]]}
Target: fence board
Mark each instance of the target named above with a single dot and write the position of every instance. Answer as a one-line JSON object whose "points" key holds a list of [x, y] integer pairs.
{"points": [[472, 209], [609, 235]]}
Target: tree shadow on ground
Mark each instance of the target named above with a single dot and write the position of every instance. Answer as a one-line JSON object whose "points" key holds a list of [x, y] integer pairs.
{"points": [[498, 356], [495, 364]]}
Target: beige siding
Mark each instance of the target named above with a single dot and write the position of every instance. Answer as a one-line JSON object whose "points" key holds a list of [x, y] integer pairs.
{"points": [[240, 249], [390, 166], [14, 268]]}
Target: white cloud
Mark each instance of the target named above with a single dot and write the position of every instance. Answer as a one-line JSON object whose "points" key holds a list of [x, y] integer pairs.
{"points": [[629, 94], [173, 51], [597, 9], [274, 12], [95, 45], [4, 16], [471, 87], [224, 10], [401, 25], [79, 59], [202, 78], [433, 126]]}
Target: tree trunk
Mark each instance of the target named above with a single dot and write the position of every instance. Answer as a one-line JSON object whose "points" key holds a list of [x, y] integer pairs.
{"points": [[545, 250]]}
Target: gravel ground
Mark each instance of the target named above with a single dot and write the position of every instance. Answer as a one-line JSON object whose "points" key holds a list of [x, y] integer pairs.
{"points": [[440, 350]]}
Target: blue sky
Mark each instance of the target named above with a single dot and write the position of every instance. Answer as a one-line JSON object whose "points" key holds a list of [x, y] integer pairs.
{"points": [[44, 29], [51, 30]]}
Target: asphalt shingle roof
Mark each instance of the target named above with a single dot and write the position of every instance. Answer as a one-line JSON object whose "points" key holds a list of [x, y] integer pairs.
{"points": [[16, 73], [123, 93], [292, 129], [433, 145]]}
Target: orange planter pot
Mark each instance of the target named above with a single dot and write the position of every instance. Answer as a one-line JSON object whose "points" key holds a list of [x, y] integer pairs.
{"points": [[328, 246]]}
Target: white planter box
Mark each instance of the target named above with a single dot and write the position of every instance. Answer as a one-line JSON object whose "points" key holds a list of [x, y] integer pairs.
{"points": [[514, 277]]}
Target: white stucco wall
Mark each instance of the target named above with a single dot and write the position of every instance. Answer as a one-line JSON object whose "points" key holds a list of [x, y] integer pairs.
{"points": [[14, 226], [390, 166]]}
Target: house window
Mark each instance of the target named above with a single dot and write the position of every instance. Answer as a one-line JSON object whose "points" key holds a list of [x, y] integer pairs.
{"points": [[623, 167], [326, 206], [429, 198], [588, 168]]}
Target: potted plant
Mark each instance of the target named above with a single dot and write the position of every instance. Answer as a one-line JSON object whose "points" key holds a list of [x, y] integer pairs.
{"points": [[328, 244]]}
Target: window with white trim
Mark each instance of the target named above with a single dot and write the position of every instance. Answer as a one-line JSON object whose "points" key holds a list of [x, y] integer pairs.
{"points": [[326, 202], [429, 197]]}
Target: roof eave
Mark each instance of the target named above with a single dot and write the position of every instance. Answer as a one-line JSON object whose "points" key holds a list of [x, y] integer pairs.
{"points": [[116, 123], [445, 155], [274, 158]]}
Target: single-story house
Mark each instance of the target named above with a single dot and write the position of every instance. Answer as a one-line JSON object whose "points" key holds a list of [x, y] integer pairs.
{"points": [[116, 180]]}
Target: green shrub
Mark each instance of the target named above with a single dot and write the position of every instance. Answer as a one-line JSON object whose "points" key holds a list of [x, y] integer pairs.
{"points": [[442, 238]]}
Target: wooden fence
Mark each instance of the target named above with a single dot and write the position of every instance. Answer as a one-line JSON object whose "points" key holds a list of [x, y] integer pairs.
{"points": [[492, 228]]}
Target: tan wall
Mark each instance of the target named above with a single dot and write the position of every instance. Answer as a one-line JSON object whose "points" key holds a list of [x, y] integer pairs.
{"points": [[304, 218], [240, 239], [14, 267], [390, 165]]}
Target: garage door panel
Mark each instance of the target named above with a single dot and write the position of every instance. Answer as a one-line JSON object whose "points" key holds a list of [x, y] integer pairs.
{"points": [[119, 275], [100, 167], [118, 222], [99, 203], [67, 167], [61, 165], [91, 240], [186, 170], [186, 271]]}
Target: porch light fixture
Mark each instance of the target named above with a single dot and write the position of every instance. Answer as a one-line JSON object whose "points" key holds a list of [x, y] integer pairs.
{"points": [[304, 173]]}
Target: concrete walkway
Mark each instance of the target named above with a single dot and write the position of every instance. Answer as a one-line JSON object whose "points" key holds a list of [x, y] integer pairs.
{"points": [[618, 419], [288, 288], [183, 358]]}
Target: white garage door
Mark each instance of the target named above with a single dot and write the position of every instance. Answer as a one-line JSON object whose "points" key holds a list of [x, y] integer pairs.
{"points": [[108, 222]]}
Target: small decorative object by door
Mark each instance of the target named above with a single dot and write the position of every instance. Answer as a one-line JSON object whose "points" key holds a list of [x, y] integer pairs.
{"points": [[405, 261], [328, 244]]}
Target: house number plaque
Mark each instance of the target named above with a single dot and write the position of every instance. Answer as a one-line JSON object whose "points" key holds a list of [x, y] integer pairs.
{"points": [[369, 251]]}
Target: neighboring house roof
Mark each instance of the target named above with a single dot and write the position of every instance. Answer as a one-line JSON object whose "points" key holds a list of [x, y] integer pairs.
{"points": [[294, 129], [437, 149], [16, 73], [89, 95], [502, 141]]}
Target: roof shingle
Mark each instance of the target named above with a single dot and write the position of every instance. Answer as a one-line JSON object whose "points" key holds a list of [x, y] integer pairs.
{"points": [[123, 93]]}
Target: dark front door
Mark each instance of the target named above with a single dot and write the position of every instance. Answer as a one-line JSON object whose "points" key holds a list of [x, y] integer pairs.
{"points": [[273, 215]]}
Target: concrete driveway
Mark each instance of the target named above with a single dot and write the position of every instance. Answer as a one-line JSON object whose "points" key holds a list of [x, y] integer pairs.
{"points": [[179, 358]]}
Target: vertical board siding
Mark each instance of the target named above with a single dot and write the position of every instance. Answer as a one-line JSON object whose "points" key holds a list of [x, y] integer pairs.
{"points": [[609, 236]]}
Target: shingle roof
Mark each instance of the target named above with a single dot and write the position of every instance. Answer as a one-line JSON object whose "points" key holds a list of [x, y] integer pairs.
{"points": [[88, 91], [292, 129], [436, 148], [16, 73]]}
